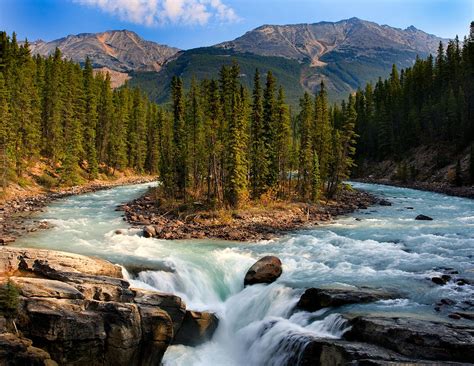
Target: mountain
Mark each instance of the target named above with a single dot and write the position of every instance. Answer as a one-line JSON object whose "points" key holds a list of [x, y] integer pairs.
{"points": [[310, 42], [345, 54], [121, 50]]}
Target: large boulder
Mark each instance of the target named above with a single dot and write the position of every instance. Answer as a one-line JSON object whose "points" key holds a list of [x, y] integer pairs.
{"points": [[415, 338], [157, 334], [317, 298], [197, 328], [14, 259], [265, 270], [173, 305]]}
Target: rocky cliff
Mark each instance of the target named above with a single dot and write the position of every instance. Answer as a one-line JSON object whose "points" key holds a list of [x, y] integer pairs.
{"points": [[75, 310]]}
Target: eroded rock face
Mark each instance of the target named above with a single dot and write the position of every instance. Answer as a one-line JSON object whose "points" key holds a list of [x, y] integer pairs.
{"points": [[265, 270], [79, 318], [316, 298], [197, 328], [415, 338]]}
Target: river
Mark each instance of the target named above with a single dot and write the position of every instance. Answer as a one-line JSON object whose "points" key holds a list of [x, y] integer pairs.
{"points": [[380, 247]]}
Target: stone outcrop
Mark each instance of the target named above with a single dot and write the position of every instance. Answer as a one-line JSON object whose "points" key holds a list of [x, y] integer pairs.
{"points": [[415, 338], [76, 310], [339, 352], [265, 270], [13, 259], [317, 298], [197, 328]]}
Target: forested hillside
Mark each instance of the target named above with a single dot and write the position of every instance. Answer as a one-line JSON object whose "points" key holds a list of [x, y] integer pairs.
{"points": [[429, 104], [53, 111]]}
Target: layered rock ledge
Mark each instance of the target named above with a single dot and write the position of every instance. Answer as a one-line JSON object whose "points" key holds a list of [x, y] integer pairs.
{"points": [[76, 310]]}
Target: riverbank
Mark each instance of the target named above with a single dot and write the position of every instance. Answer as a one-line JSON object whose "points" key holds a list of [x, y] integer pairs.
{"points": [[15, 214], [254, 223], [437, 187]]}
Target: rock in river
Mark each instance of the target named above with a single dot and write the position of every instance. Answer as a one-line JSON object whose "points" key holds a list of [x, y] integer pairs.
{"points": [[265, 270], [317, 298], [415, 338], [423, 218], [197, 327]]}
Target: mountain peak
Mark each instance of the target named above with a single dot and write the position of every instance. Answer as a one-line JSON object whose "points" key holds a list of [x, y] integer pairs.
{"points": [[313, 41], [119, 50]]}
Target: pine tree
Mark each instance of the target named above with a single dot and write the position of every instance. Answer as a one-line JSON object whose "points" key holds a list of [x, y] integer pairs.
{"points": [[5, 139], [236, 188], [118, 150], [90, 121], [306, 157], [179, 133], [315, 178], [53, 135], [282, 138], [269, 131], [194, 123], [322, 130], [72, 118], [105, 110], [258, 156], [9, 300]]}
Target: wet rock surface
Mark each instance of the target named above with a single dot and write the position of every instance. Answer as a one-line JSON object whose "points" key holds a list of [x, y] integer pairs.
{"points": [[422, 217], [415, 338], [68, 315], [197, 328], [265, 270], [317, 298]]}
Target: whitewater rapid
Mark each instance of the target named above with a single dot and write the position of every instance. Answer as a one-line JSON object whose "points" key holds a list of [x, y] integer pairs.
{"points": [[380, 247]]}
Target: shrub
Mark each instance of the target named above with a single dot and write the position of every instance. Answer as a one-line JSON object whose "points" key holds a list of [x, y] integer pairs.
{"points": [[47, 181], [9, 299]]}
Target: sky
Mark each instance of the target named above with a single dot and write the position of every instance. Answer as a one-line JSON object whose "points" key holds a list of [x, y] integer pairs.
{"points": [[195, 23]]}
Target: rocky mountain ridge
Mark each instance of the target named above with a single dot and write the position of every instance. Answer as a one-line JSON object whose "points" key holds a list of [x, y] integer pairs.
{"points": [[118, 50], [311, 41], [344, 54]]}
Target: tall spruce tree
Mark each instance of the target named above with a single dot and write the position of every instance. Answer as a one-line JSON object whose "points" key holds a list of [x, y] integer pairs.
{"points": [[258, 156]]}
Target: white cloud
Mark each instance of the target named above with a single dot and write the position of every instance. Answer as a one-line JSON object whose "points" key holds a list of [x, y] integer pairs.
{"points": [[154, 12]]}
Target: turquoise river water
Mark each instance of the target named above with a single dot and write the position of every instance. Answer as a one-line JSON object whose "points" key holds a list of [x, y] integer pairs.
{"points": [[380, 247]]}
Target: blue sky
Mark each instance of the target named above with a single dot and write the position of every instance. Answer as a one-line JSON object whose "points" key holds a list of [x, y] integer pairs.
{"points": [[193, 23]]}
